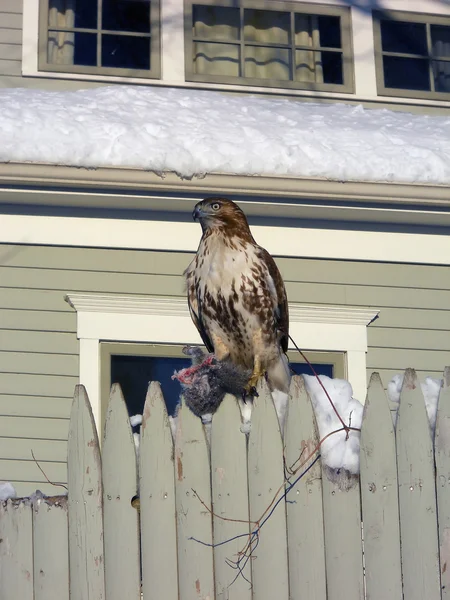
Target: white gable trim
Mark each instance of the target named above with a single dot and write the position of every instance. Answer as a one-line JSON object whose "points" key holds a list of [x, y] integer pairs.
{"points": [[165, 320], [184, 237]]}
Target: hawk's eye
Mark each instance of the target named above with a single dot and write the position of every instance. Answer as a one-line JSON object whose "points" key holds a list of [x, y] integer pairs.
{"points": [[215, 206]]}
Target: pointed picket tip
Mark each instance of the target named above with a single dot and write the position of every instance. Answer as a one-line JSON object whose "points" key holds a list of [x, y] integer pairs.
{"points": [[442, 457], [85, 502], [82, 427], [121, 521], [417, 494], [117, 413], [304, 503], [409, 380], [155, 406], [193, 493], [157, 499], [81, 410], [379, 495], [266, 478], [376, 411], [229, 498], [264, 408], [301, 432]]}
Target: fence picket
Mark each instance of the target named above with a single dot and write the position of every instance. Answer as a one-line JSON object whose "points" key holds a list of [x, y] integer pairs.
{"points": [[266, 479], [442, 449], [379, 495], [51, 549], [121, 520], [87, 581], [417, 500], [194, 520], [16, 550], [230, 500], [86, 546], [304, 507], [343, 541], [157, 497]]}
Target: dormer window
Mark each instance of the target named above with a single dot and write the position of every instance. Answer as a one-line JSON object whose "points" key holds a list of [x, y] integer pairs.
{"points": [[412, 55], [100, 37], [278, 45]]}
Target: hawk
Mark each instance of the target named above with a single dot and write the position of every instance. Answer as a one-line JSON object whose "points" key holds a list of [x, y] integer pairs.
{"points": [[237, 299]]}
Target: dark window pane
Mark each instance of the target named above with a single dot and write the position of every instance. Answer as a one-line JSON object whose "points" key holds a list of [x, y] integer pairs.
{"points": [[267, 63], [135, 372], [332, 68], [330, 31], [407, 38], [440, 40], [406, 73], [304, 369], [85, 49], [126, 15], [314, 31], [216, 22], [216, 59], [318, 67], [86, 13], [67, 48], [125, 52], [266, 26], [441, 71]]}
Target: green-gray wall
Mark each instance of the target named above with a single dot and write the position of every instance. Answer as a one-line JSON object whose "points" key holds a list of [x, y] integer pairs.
{"points": [[39, 348]]}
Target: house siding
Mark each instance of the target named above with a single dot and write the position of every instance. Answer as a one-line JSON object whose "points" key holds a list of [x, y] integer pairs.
{"points": [[10, 39], [39, 349]]}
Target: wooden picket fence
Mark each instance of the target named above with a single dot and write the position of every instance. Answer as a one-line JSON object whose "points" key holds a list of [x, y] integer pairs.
{"points": [[207, 509]]}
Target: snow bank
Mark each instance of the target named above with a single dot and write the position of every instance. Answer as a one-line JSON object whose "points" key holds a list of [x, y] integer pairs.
{"points": [[337, 451], [196, 132], [7, 491], [431, 388]]}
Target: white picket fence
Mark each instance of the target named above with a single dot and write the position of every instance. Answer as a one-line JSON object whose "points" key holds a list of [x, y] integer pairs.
{"points": [[220, 521]]}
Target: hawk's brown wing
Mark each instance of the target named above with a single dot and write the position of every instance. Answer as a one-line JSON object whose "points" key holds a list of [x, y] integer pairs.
{"points": [[195, 310], [282, 311]]}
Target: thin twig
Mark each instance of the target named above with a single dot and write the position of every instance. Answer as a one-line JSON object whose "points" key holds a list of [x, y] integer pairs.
{"points": [[43, 473], [322, 385], [211, 512]]}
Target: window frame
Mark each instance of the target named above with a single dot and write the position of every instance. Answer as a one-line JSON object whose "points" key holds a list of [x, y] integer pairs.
{"points": [[161, 320], [348, 87], [411, 17], [108, 349], [155, 47]]}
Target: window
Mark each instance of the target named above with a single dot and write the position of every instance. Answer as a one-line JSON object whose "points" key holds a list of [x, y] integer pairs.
{"points": [[133, 366], [100, 37], [293, 46], [412, 55], [334, 336]]}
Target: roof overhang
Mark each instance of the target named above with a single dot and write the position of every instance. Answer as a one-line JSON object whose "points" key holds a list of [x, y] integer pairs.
{"points": [[264, 196]]}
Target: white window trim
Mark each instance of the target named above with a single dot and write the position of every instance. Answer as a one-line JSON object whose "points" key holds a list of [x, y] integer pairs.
{"points": [[172, 57], [166, 320]]}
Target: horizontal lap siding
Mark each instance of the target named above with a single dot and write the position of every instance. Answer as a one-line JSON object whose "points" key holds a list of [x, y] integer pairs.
{"points": [[11, 40], [39, 349]]}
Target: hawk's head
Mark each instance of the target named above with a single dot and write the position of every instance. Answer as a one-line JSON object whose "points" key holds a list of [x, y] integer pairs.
{"points": [[221, 214]]}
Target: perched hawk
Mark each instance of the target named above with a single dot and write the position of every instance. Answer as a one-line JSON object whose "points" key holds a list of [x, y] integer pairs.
{"points": [[237, 298]]}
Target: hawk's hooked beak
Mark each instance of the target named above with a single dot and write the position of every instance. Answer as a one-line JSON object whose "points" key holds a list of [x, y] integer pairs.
{"points": [[197, 213]]}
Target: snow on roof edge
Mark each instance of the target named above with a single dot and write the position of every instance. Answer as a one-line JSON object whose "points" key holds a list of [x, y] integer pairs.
{"points": [[191, 132]]}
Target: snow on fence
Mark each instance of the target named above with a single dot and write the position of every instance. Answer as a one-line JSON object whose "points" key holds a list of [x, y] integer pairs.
{"points": [[298, 541]]}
